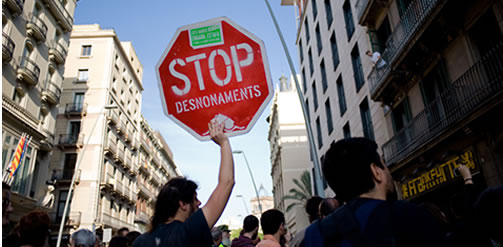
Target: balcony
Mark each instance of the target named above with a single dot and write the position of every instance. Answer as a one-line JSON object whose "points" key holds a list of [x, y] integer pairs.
{"points": [[47, 143], [114, 222], [79, 109], [51, 93], [7, 48], [72, 219], [60, 13], [404, 32], [36, 28], [120, 156], [369, 10], [112, 117], [118, 187], [146, 191], [122, 127], [28, 71], [71, 140], [15, 6], [110, 147], [57, 52], [109, 182], [129, 135], [155, 178], [470, 93], [64, 176], [142, 217]]}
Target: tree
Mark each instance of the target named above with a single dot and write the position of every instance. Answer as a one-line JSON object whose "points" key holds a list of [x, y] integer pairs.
{"points": [[302, 193]]}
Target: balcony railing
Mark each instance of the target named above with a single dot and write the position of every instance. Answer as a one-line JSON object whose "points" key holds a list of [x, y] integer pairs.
{"points": [[111, 147], [480, 84], [51, 92], [71, 140], [76, 109], [28, 71], [36, 28], [57, 52], [142, 217], [112, 116], [72, 220], [7, 48], [413, 18], [15, 6], [66, 175], [120, 156], [60, 13]]}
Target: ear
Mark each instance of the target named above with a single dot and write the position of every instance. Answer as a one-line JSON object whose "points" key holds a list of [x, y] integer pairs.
{"points": [[377, 173], [183, 205]]}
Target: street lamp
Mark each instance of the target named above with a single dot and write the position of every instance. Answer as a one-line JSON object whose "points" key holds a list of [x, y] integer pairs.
{"points": [[251, 176], [77, 165], [244, 203]]}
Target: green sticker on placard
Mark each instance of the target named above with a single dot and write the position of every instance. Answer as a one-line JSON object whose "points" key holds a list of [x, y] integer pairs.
{"points": [[205, 35]]}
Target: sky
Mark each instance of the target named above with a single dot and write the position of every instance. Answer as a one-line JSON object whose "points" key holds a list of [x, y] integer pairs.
{"points": [[150, 25]]}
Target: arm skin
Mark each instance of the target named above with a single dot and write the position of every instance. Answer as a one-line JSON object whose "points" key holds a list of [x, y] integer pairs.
{"points": [[218, 199]]}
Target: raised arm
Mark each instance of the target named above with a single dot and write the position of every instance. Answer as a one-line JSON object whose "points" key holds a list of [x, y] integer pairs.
{"points": [[218, 199]]}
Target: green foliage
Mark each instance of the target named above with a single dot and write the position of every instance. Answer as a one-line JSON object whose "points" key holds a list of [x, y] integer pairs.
{"points": [[300, 194]]}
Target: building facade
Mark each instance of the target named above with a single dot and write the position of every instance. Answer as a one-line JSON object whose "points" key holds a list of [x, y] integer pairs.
{"points": [[442, 90], [35, 36], [289, 152], [334, 69]]}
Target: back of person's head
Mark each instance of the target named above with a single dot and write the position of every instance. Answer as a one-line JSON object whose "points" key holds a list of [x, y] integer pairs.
{"points": [[216, 234], [34, 228], [123, 231], [118, 241], [271, 221], [167, 204], [489, 214], [327, 206], [250, 223], [346, 167], [83, 238], [312, 206], [131, 237]]}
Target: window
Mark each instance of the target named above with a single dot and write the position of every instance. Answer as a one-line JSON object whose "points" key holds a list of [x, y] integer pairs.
{"points": [[328, 9], [342, 97], [17, 96], [400, 115], [368, 129], [335, 51], [348, 17], [310, 61], [357, 68], [23, 174], [69, 166], [324, 81], [346, 131], [315, 96], [86, 50], [304, 82], [315, 9], [307, 31], [78, 101], [301, 52], [318, 38], [318, 131], [328, 112], [63, 194], [83, 75]]}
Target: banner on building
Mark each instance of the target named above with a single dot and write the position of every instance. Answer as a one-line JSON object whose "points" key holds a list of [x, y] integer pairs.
{"points": [[17, 159]]}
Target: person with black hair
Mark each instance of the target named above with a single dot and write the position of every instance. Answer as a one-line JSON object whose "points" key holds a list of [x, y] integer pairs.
{"points": [[7, 208], [131, 237], [250, 233], [123, 231], [312, 210], [371, 215], [327, 206], [273, 227], [178, 220]]}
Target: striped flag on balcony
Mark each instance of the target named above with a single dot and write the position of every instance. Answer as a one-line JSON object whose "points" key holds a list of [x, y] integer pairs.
{"points": [[17, 158]]}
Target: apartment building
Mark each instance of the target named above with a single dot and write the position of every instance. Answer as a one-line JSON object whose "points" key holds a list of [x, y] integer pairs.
{"points": [[35, 36], [334, 68], [97, 132], [156, 167], [442, 90], [289, 151]]}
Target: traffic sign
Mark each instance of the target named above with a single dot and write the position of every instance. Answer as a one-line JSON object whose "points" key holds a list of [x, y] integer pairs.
{"points": [[214, 69]]}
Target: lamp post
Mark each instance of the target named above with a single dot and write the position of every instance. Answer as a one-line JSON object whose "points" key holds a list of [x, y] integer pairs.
{"points": [[244, 203], [251, 176], [77, 165]]}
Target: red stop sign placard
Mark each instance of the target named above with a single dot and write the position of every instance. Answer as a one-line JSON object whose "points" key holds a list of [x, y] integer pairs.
{"points": [[214, 69]]}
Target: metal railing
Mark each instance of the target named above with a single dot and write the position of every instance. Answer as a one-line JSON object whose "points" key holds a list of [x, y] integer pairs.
{"points": [[58, 50], [73, 218], [60, 12], [35, 21], [76, 108], [111, 146], [412, 19], [16, 6], [71, 139], [360, 8], [52, 91], [7, 47], [30, 68], [481, 83], [112, 116]]}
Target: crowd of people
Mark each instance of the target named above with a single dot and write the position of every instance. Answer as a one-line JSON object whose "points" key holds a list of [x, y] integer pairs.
{"points": [[365, 211]]}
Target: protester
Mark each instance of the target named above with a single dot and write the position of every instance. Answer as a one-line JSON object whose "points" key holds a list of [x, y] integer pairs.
{"points": [[122, 232], [216, 235], [312, 210], [327, 206], [488, 210], [6, 209], [226, 241], [178, 220], [84, 238], [131, 237], [273, 227], [376, 59], [250, 233], [371, 216], [31, 231], [118, 241]]}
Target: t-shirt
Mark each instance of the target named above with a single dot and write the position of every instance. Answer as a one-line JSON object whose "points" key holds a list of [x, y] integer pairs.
{"points": [[378, 61], [193, 232]]}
